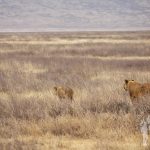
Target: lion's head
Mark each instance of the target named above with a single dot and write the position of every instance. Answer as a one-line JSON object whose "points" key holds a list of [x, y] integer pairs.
{"points": [[126, 84]]}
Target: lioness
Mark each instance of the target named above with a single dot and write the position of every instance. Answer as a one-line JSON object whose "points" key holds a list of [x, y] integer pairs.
{"points": [[136, 89], [64, 92]]}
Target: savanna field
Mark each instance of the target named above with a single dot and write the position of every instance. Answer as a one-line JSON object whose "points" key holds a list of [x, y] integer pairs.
{"points": [[94, 65]]}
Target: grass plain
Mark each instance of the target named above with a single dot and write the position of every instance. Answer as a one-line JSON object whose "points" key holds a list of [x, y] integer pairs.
{"points": [[94, 65]]}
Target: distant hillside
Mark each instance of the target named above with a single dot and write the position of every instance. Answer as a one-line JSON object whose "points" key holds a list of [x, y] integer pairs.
{"points": [[44, 15]]}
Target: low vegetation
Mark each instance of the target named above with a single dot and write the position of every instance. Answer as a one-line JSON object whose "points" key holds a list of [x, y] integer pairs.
{"points": [[101, 116]]}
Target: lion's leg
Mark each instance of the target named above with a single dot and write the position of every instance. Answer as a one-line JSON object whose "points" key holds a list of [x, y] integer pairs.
{"points": [[71, 98], [60, 97], [132, 99]]}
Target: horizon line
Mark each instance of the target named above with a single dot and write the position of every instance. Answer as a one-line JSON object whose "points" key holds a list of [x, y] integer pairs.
{"points": [[75, 30]]}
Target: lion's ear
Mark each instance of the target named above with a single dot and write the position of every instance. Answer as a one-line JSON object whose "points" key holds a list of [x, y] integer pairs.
{"points": [[126, 81]]}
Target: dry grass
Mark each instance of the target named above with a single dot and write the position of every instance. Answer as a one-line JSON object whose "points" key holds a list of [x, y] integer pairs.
{"points": [[101, 116]]}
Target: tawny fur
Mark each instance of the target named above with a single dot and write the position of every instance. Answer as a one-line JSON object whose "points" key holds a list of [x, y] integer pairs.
{"points": [[136, 89], [64, 92]]}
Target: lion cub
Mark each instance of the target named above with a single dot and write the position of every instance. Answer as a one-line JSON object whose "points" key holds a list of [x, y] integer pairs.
{"points": [[64, 92]]}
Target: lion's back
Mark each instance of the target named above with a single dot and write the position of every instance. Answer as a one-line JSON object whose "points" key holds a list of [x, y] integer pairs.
{"points": [[145, 88], [140, 89]]}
